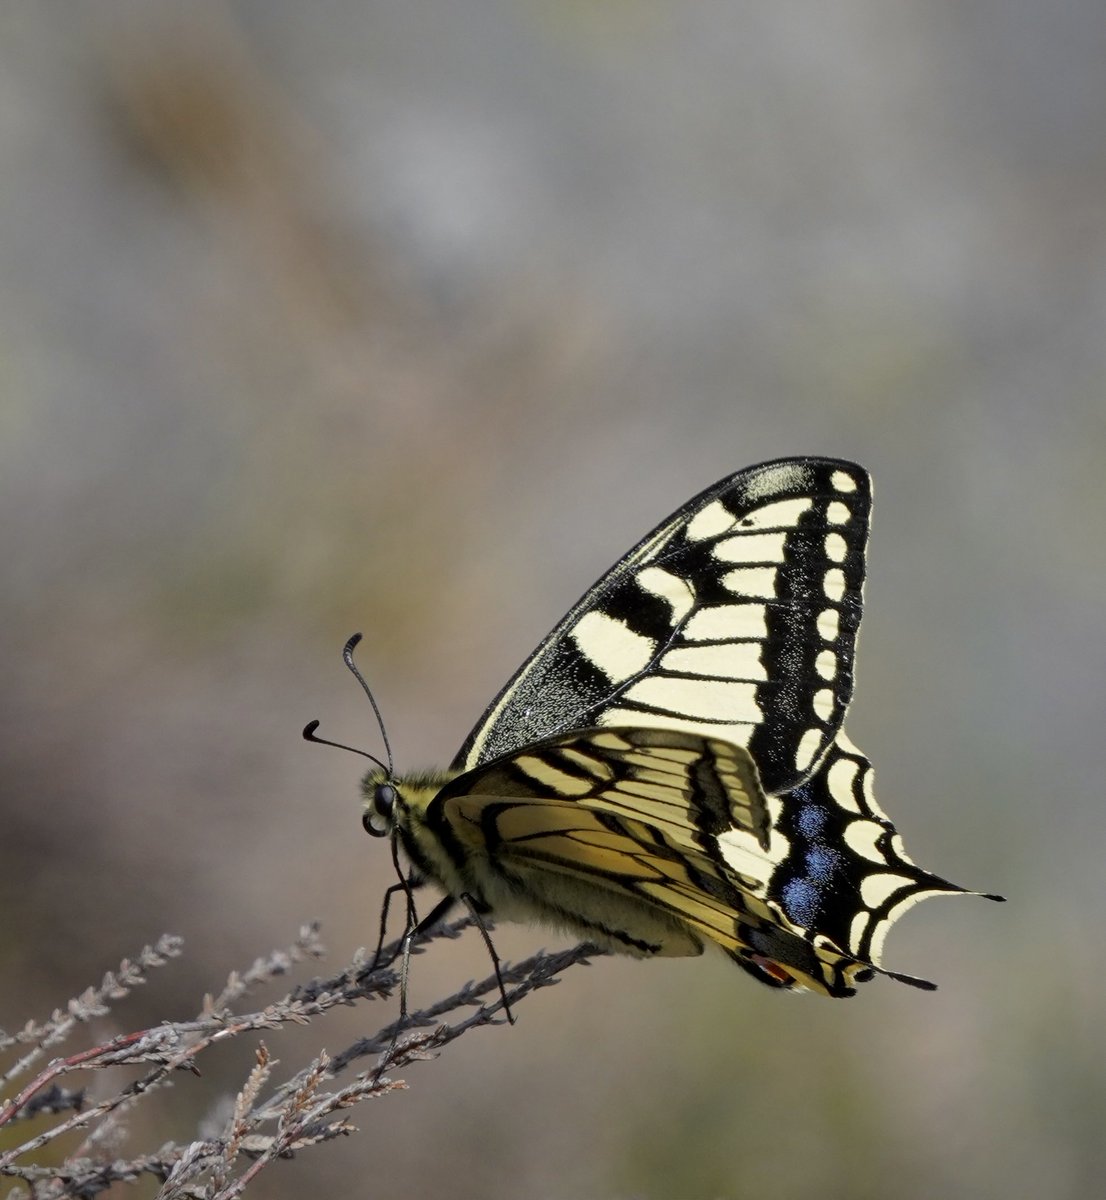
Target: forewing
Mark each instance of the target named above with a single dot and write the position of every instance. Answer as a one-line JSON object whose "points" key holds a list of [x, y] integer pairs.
{"points": [[736, 618]]}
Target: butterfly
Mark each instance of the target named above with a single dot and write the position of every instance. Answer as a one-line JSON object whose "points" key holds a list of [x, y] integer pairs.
{"points": [[668, 770]]}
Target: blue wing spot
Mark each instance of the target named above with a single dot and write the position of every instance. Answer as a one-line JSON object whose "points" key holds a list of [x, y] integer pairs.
{"points": [[823, 863], [804, 898], [811, 821], [802, 901]]}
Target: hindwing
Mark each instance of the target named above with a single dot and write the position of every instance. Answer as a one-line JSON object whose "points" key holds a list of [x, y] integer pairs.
{"points": [[842, 869], [660, 841], [736, 618]]}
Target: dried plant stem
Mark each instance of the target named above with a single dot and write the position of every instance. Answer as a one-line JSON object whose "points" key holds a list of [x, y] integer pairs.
{"points": [[269, 1121]]}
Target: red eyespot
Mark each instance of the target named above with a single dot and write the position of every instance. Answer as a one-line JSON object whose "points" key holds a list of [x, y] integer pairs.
{"points": [[773, 969]]}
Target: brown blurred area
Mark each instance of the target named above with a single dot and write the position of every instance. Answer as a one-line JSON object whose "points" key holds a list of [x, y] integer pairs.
{"points": [[410, 319]]}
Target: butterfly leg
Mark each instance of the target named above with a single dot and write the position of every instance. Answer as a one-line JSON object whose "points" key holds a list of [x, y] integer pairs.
{"points": [[478, 912], [413, 931], [406, 885]]}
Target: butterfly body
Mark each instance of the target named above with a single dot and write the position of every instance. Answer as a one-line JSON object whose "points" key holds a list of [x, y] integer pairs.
{"points": [[458, 845], [667, 771]]}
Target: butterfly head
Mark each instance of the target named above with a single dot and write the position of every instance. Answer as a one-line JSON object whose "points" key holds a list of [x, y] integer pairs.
{"points": [[398, 805]]}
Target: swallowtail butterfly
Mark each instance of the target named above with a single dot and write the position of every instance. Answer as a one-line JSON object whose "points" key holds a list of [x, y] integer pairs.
{"points": [[668, 770]]}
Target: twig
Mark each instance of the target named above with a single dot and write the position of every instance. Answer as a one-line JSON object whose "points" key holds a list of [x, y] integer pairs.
{"points": [[269, 1121]]}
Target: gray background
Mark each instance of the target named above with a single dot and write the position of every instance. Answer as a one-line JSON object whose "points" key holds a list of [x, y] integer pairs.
{"points": [[410, 318]]}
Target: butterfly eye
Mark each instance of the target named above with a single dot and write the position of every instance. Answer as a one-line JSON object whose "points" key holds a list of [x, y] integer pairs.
{"points": [[377, 818]]}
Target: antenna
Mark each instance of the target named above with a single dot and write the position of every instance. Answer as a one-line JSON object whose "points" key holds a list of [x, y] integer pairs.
{"points": [[309, 735], [347, 658], [309, 730]]}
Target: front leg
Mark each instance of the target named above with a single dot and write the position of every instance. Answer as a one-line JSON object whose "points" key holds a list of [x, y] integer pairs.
{"points": [[413, 931]]}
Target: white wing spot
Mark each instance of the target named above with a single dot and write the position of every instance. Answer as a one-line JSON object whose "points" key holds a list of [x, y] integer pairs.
{"points": [[710, 522], [843, 481], [842, 780], [752, 581], [838, 513], [826, 664], [834, 584], [824, 704], [739, 660], [879, 935], [829, 624], [722, 622], [878, 888], [678, 592], [751, 548], [809, 745], [857, 928], [706, 698], [612, 646], [836, 547], [862, 837], [780, 514], [869, 790], [744, 855]]}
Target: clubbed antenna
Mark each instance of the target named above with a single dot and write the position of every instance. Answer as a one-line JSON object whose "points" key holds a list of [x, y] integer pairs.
{"points": [[347, 658], [309, 730]]}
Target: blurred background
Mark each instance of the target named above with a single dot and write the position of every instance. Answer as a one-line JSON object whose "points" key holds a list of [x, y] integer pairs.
{"points": [[411, 318]]}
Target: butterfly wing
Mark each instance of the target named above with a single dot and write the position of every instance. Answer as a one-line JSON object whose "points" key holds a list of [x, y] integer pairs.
{"points": [[658, 842], [842, 869], [668, 768], [736, 618]]}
